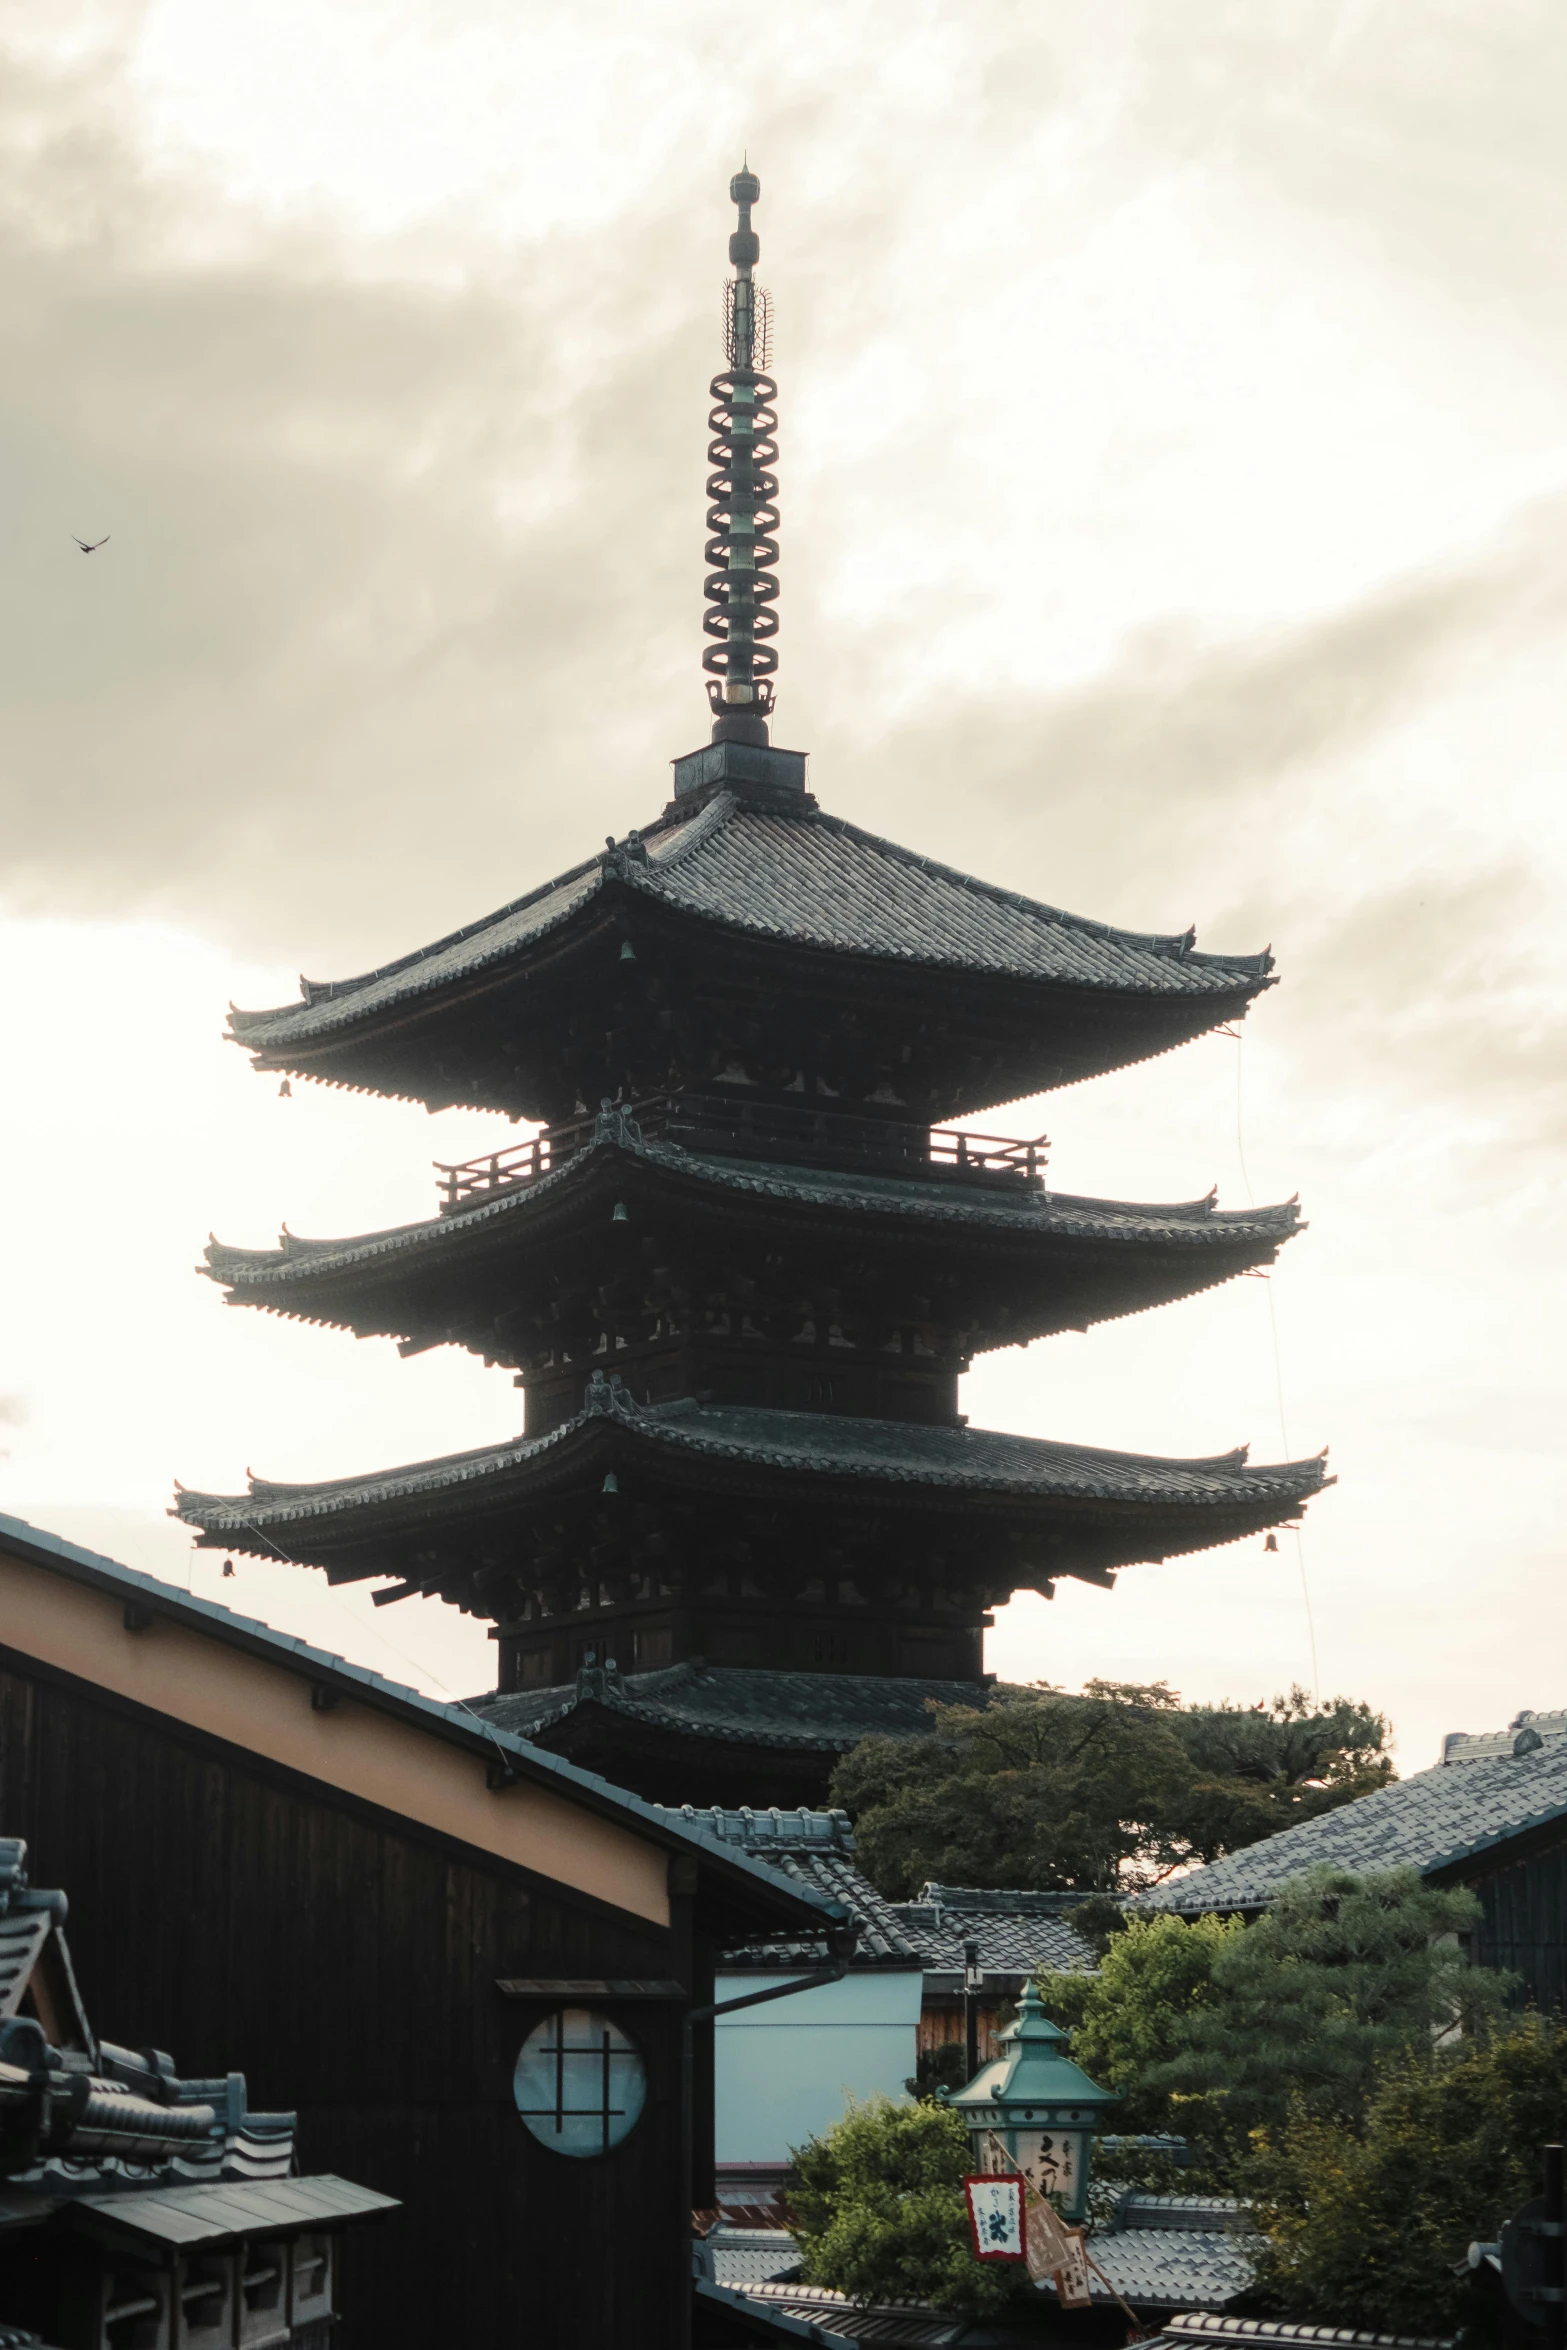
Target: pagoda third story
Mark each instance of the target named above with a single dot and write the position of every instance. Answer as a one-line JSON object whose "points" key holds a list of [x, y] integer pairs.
{"points": [[741, 1267]]}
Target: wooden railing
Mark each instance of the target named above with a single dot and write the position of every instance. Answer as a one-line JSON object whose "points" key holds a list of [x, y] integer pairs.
{"points": [[728, 1126]]}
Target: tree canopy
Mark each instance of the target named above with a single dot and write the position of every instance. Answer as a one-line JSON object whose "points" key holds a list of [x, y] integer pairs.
{"points": [[1217, 2029], [1101, 1791], [876, 2203], [1311, 2058], [1367, 2227]]}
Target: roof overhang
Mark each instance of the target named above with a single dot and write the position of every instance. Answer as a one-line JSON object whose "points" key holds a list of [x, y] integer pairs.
{"points": [[235, 1680]]}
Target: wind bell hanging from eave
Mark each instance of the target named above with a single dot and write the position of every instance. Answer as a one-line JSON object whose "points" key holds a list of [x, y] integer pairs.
{"points": [[743, 550]]}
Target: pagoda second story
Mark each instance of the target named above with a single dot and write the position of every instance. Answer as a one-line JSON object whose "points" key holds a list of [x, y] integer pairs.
{"points": [[741, 1267]]}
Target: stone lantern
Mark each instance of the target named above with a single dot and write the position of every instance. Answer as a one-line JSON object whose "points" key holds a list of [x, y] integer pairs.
{"points": [[1041, 2107]]}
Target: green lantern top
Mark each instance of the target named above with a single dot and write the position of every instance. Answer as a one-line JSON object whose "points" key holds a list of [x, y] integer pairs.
{"points": [[1035, 2081]]}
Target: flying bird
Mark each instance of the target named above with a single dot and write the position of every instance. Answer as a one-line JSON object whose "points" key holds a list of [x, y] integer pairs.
{"points": [[91, 546]]}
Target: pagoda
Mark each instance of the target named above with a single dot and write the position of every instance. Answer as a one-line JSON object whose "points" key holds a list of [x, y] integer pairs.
{"points": [[741, 1266]]}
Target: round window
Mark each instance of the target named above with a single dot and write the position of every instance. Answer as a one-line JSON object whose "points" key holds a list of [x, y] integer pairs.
{"points": [[580, 2082]]}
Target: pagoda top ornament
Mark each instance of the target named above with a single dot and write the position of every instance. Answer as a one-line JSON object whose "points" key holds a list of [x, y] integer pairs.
{"points": [[742, 516]]}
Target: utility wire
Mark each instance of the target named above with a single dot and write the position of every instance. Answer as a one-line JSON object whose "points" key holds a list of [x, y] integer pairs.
{"points": [[1278, 1377]]}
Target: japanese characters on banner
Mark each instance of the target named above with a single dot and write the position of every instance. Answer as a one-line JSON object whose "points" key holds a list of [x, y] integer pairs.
{"points": [[1072, 2276], [1044, 2241], [995, 2217]]}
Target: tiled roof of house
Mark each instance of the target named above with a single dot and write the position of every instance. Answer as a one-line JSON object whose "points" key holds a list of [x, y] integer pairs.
{"points": [[1172, 2267], [802, 877], [1017, 1932], [752, 2256], [109, 2117], [1526, 1733], [810, 1444], [888, 2325], [816, 1848], [1434, 1820], [1274, 2333], [829, 1712], [1197, 2214], [1164, 2252]]}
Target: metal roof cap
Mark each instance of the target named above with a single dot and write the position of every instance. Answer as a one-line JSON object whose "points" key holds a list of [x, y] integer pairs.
{"points": [[1035, 2077]]}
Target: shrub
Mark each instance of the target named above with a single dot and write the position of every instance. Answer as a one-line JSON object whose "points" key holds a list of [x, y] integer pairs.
{"points": [[877, 2206], [1365, 2228]]}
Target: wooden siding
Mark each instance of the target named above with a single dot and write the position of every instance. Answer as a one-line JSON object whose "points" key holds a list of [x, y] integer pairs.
{"points": [[942, 2024], [239, 1917], [1524, 1928]]}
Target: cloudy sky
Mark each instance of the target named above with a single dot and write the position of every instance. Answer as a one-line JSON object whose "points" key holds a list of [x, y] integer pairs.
{"points": [[1174, 429]]}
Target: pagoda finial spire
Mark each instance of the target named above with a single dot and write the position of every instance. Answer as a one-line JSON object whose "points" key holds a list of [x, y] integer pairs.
{"points": [[742, 550]]}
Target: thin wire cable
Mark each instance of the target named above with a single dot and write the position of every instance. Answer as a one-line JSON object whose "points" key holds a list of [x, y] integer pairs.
{"points": [[1278, 1381]]}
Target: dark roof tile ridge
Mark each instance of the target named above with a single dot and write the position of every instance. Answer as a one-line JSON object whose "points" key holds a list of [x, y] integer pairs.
{"points": [[1251, 2329], [1179, 945], [900, 1196], [667, 1717], [692, 833], [777, 1827], [295, 1248], [431, 1228], [675, 1415], [517, 1449], [1203, 1214], [1397, 1795], [326, 991], [708, 1428]]}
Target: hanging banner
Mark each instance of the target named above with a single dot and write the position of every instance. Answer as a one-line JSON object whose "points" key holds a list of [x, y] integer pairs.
{"points": [[1045, 2241], [995, 2217], [1072, 2276]]}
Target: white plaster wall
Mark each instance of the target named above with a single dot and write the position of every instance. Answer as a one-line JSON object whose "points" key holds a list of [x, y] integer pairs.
{"points": [[786, 2070]]}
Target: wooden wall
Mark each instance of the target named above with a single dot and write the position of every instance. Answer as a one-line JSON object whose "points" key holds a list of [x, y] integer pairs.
{"points": [[1524, 1927], [245, 1920]]}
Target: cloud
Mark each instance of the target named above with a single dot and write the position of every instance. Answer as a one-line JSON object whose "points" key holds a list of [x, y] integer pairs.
{"points": [[398, 555]]}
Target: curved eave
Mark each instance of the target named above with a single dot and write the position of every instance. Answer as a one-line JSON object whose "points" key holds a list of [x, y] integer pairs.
{"points": [[320, 1281], [548, 924], [793, 1458]]}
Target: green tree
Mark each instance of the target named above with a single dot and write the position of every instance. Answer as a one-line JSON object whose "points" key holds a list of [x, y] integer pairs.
{"points": [[1104, 1791], [1041, 1790], [876, 2204], [1131, 2018], [1214, 2028], [1365, 2228], [1340, 1975], [1258, 1768]]}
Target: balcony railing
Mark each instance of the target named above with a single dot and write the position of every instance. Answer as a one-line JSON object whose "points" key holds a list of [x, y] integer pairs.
{"points": [[730, 1127]]}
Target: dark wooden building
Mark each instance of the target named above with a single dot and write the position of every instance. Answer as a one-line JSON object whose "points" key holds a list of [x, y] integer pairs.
{"points": [[1492, 1815], [741, 1268], [141, 2209], [463, 1963]]}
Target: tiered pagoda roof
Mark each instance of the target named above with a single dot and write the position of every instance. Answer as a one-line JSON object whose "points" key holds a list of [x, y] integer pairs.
{"points": [[742, 1269], [1032, 1261], [753, 1537], [1102, 1509], [995, 995]]}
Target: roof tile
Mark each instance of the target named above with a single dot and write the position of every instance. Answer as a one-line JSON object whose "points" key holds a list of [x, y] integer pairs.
{"points": [[809, 878], [1428, 1822]]}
